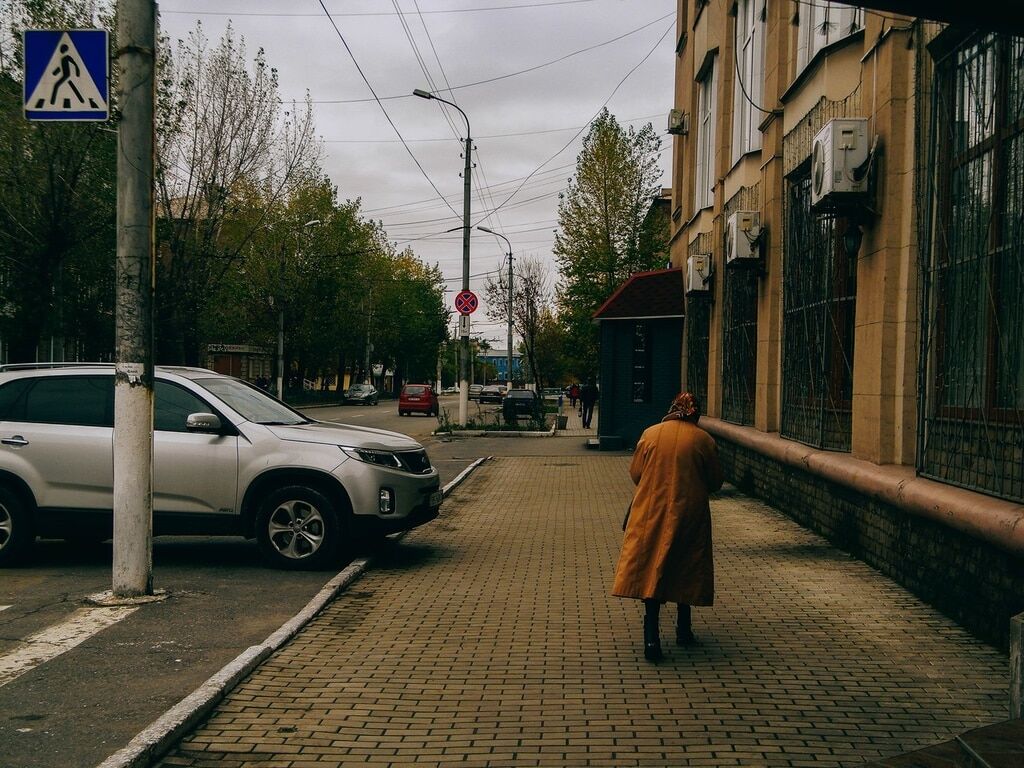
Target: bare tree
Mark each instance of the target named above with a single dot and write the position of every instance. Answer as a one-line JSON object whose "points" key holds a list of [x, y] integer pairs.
{"points": [[531, 298], [229, 156]]}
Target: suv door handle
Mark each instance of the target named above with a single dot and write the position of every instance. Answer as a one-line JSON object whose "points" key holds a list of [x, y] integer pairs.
{"points": [[16, 440]]}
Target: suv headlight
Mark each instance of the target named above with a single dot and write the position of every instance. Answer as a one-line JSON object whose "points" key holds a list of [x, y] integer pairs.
{"points": [[371, 456]]}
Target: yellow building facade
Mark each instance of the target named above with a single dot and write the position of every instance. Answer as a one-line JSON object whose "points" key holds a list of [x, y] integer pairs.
{"points": [[847, 191]]}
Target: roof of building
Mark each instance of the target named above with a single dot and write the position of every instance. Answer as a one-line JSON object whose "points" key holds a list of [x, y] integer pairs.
{"points": [[658, 293]]}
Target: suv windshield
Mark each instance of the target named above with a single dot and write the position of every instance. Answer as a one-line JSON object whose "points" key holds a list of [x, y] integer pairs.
{"points": [[251, 403]]}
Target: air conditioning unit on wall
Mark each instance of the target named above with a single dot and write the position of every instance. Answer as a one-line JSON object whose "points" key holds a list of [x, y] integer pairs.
{"points": [[741, 231], [698, 273], [839, 157], [678, 122]]}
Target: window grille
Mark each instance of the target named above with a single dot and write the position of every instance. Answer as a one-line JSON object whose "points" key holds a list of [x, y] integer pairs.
{"points": [[973, 312], [698, 333], [819, 291], [739, 345]]}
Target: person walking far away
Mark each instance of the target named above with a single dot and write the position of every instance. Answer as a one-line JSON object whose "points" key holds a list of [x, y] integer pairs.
{"points": [[588, 397], [574, 393], [666, 551]]}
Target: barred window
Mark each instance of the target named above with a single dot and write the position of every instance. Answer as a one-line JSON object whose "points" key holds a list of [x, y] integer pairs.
{"points": [[698, 332], [974, 414], [739, 345], [820, 294]]}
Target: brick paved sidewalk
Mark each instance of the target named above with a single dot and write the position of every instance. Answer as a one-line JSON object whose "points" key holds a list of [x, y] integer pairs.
{"points": [[488, 638]]}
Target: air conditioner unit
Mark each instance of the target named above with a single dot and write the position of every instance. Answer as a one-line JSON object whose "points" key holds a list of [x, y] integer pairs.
{"points": [[741, 231], [678, 122], [838, 161], [698, 273]]}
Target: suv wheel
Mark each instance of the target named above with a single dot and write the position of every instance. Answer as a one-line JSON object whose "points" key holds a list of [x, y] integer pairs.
{"points": [[298, 529], [17, 534]]}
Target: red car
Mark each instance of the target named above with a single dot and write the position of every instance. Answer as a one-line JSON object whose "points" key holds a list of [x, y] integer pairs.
{"points": [[417, 398]]}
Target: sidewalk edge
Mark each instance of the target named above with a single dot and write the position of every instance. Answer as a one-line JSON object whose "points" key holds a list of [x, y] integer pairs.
{"points": [[156, 739]]}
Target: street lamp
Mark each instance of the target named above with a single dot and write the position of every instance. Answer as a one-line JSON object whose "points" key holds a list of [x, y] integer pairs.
{"points": [[280, 324], [463, 375], [492, 232]]}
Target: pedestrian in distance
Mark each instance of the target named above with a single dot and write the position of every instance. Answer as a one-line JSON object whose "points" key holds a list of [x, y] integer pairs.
{"points": [[666, 550], [574, 393], [588, 398]]}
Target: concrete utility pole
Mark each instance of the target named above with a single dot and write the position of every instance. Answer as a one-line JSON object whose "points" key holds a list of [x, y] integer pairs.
{"points": [[133, 388], [466, 189]]}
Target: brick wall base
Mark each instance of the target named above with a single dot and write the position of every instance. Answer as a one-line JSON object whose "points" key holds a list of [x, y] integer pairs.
{"points": [[976, 584]]}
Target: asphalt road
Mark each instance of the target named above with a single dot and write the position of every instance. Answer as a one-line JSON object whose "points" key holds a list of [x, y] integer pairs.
{"points": [[83, 705]]}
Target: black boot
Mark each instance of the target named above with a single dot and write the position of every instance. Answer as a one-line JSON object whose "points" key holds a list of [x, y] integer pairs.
{"points": [[684, 631], [652, 639]]}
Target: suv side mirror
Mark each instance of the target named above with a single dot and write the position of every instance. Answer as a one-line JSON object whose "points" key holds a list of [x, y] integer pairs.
{"points": [[202, 422]]}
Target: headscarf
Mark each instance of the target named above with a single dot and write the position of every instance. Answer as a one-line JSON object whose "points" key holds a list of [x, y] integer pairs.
{"points": [[684, 407]]}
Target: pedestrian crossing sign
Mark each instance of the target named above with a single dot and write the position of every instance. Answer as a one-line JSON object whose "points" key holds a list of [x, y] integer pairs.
{"points": [[67, 74]]}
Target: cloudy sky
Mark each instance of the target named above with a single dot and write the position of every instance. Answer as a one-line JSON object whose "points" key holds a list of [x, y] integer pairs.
{"points": [[530, 75]]}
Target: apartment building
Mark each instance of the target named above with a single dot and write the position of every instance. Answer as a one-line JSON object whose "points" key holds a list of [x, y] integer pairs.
{"points": [[848, 191]]}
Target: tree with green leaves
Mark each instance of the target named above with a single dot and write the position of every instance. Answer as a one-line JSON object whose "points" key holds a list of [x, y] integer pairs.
{"points": [[57, 208], [531, 298], [602, 237], [229, 158]]}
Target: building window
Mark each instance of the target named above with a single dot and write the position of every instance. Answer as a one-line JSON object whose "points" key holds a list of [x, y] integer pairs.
{"points": [[641, 363], [820, 296], [748, 90], [698, 333], [704, 179], [974, 283], [739, 345], [822, 24]]}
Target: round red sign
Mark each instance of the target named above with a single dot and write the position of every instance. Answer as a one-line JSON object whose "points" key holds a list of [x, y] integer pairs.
{"points": [[466, 302]]}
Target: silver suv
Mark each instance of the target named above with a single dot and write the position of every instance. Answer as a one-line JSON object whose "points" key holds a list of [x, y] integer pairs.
{"points": [[228, 459]]}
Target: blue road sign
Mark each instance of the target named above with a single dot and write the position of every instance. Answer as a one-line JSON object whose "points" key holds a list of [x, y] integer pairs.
{"points": [[67, 74]]}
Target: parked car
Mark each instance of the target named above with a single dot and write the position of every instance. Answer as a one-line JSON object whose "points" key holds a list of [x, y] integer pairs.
{"points": [[551, 393], [450, 391], [474, 391], [491, 393], [418, 398], [228, 460], [521, 402], [363, 394]]}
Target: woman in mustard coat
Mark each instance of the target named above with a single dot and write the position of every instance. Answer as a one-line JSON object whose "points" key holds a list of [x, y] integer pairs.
{"points": [[666, 551]]}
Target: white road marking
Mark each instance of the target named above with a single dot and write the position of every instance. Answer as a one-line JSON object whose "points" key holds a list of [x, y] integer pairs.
{"points": [[53, 641]]}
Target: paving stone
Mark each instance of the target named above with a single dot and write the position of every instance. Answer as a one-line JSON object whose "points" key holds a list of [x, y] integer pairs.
{"points": [[489, 637]]}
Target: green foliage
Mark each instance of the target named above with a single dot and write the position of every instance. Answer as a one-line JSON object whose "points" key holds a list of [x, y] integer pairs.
{"points": [[57, 209], [602, 237]]}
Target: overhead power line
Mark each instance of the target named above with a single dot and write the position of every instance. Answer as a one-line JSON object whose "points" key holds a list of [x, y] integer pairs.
{"points": [[382, 109], [379, 13]]}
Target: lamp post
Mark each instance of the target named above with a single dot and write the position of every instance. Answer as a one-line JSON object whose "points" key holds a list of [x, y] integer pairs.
{"points": [[463, 376], [492, 232], [280, 324]]}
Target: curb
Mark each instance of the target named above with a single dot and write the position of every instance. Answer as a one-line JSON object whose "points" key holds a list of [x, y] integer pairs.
{"points": [[157, 738]]}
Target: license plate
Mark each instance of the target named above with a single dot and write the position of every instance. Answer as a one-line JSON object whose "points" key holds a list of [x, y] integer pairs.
{"points": [[435, 499]]}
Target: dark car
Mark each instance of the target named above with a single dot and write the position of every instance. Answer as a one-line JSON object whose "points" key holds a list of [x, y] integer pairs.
{"points": [[521, 402], [417, 398], [491, 394], [364, 394]]}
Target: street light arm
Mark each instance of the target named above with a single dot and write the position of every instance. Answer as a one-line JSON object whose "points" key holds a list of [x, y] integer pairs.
{"points": [[428, 95]]}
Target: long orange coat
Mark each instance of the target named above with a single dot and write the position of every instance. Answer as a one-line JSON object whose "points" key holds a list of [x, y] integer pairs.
{"points": [[666, 551]]}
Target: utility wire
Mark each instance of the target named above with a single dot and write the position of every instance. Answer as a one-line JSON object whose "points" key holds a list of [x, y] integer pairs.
{"points": [[381, 13], [392, 122], [577, 134], [509, 74]]}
